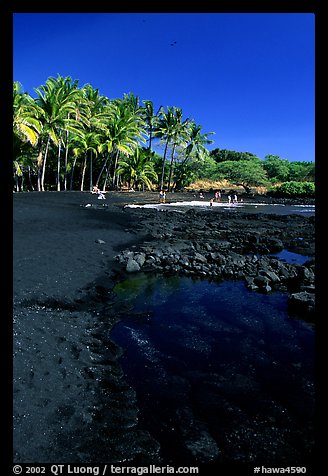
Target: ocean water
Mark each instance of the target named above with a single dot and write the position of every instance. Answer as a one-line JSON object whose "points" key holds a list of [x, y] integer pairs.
{"points": [[250, 207], [221, 373]]}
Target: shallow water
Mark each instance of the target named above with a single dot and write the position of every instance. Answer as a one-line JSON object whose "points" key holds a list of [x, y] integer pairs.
{"points": [[293, 258], [277, 208], [221, 373]]}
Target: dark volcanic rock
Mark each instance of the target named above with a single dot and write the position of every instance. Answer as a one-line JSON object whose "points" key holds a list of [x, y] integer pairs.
{"points": [[202, 244], [302, 303]]}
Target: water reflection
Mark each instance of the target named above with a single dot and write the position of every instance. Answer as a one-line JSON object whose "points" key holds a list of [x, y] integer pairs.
{"points": [[293, 258], [221, 373]]}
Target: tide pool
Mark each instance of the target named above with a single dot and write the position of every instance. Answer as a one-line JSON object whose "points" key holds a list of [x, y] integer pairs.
{"points": [[221, 373]]}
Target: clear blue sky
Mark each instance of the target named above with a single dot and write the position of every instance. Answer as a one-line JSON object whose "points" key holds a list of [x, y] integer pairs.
{"points": [[248, 77]]}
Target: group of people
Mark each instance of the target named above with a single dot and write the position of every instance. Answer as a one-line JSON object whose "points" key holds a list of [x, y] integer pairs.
{"points": [[232, 199], [217, 198]]}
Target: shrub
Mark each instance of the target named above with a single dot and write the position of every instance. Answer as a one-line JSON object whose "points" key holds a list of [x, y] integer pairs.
{"points": [[294, 189]]}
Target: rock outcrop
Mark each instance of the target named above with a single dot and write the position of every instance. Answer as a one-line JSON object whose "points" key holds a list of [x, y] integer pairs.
{"points": [[216, 246]]}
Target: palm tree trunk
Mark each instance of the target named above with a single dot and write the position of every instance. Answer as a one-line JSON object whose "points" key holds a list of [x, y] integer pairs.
{"points": [[185, 160], [90, 170], [30, 178], [66, 160], [115, 166], [171, 169], [102, 170], [39, 165], [58, 166], [16, 182], [44, 164], [150, 141], [72, 173], [163, 166], [83, 171], [106, 178]]}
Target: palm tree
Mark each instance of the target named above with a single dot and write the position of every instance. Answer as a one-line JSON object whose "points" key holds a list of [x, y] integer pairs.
{"points": [[164, 130], [85, 145], [27, 126], [70, 89], [97, 113], [75, 120], [194, 151], [108, 134], [27, 129], [137, 169], [172, 130], [150, 120], [55, 105], [123, 134], [131, 102], [196, 142], [178, 137]]}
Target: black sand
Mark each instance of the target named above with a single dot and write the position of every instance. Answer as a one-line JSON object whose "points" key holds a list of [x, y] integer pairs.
{"points": [[71, 403], [58, 335]]}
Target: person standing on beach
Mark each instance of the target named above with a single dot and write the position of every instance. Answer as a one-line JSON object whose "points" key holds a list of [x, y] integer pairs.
{"points": [[217, 196], [229, 198], [100, 194], [161, 196]]}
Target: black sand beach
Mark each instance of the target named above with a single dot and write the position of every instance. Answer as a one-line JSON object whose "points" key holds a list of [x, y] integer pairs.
{"points": [[57, 335], [71, 403]]}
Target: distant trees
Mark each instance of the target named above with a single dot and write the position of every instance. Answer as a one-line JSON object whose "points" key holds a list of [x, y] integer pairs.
{"points": [[223, 155], [294, 189], [247, 170], [276, 168], [245, 173], [69, 135], [281, 170], [302, 171]]}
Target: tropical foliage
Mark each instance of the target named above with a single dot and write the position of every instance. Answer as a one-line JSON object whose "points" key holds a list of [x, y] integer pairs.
{"points": [[294, 189], [72, 138]]}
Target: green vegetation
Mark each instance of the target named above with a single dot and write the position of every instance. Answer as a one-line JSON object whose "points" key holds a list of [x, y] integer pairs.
{"points": [[71, 138], [294, 189]]}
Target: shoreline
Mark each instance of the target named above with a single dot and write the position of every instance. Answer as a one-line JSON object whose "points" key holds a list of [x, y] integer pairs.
{"points": [[55, 231], [68, 385]]}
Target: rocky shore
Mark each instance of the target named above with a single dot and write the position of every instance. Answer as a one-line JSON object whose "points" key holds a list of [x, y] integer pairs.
{"points": [[218, 246]]}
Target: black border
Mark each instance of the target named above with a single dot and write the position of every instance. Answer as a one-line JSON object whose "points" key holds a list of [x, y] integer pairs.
{"points": [[6, 31]]}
